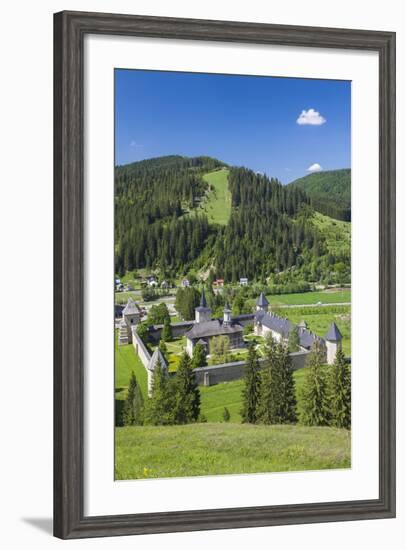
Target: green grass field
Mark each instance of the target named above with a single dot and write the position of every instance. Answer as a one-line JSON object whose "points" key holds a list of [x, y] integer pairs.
{"points": [[319, 319], [126, 361], [121, 298], [209, 449], [175, 349], [337, 233], [218, 204], [330, 296]]}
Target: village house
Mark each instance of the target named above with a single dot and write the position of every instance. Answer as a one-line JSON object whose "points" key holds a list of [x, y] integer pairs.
{"points": [[151, 281]]}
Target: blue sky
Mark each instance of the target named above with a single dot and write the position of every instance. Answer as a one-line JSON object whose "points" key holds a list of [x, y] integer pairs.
{"points": [[284, 127]]}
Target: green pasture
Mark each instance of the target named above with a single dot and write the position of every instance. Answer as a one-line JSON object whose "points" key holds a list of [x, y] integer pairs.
{"points": [[330, 296], [225, 448], [217, 205]]}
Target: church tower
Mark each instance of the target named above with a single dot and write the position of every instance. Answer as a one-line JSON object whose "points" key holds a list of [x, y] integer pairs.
{"points": [[226, 315], [262, 303], [333, 340], [203, 312]]}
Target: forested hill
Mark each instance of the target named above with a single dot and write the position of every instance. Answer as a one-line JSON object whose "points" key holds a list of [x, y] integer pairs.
{"points": [[329, 192], [166, 219]]}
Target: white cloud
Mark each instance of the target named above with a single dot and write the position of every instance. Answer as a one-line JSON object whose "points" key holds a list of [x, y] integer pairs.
{"points": [[315, 167], [311, 117]]}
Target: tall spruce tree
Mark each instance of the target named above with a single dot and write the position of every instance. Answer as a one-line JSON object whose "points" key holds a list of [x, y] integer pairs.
{"points": [[294, 340], [288, 390], [252, 388], [160, 408], [199, 357], [187, 398], [166, 335], [270, 396], [133, 412], [340, 392], [314, 393]]}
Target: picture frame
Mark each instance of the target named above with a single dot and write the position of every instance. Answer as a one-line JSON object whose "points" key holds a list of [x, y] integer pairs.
{"points": [[70, 28]]}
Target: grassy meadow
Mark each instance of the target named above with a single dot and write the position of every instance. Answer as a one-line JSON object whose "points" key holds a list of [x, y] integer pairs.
{"points": [[227, 448], [330, 296], [337, 233], [217, 206]]}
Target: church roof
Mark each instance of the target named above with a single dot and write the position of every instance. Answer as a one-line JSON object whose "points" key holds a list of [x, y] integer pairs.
{"points": [[333, 334], [203, 302], [284, 327], [213, 328], [275, 323], [157, 355], [262, 301], [131, 307]]}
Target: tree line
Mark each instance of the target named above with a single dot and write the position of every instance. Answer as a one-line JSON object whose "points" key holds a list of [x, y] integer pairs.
{"points": [[269, 395]]}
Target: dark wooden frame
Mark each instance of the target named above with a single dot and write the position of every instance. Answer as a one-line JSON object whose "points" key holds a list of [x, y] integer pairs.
{"points": [[69, 31]]}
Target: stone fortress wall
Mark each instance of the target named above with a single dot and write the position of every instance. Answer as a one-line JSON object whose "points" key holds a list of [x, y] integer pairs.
{"points": [[214, 374], [140, 348]]}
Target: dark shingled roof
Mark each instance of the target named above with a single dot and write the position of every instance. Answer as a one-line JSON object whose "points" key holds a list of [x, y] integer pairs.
{"points": [[131, 307], [275, 323], [284, 327], [157, 355], [307, 338], [333, 334], [203, 302], [213, 328], [262, 301]]}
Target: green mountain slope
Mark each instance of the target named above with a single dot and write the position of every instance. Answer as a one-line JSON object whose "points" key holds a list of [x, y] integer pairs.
{"points": [[329, 191], [177, 214], [217, 206], [336, 232]]}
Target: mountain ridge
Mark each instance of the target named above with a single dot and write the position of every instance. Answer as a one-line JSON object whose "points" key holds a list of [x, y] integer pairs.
{"points": [[329, 192], [268, 234]]}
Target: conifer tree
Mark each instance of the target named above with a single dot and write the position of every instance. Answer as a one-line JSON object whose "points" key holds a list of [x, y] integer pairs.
{"points": [[160, 409], [164, 350], [187, 398], [133, 412], [166, 335], [226, 415], [288, 390], [199, 357], [293, 340], [252, 388], [270, 397], [314, 393], [340, 392]]}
